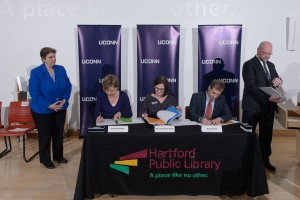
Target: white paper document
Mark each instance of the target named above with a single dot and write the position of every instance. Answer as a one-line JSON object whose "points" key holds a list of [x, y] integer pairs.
{"points": [[183, 122], [97, 128], [18, 129]]}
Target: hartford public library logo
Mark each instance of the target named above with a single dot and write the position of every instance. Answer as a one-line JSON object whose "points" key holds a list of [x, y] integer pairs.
{"points": [[173, 160], [127, 161]]}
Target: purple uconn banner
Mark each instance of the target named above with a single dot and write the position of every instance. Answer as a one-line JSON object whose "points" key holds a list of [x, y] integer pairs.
{"points": [[157, 54], [99, 55], [219, 53]]}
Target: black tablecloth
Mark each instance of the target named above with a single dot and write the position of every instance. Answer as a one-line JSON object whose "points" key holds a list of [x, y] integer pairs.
{"points": [[187, 162]]}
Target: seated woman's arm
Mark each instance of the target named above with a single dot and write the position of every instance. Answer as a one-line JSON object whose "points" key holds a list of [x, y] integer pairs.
{"points": [[98, 115], [144, 110], [126, 111], [175, 104]]}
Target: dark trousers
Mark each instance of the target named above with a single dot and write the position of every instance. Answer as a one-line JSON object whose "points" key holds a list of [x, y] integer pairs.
{"points": [[265, 119], [50, 127]]}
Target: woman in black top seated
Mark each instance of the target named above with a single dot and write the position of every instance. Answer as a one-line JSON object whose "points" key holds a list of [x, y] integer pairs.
{"points": [[159, 99]]}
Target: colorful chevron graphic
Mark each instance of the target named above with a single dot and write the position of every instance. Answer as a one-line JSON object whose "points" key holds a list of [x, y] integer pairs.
{"points": [[125, 162]]}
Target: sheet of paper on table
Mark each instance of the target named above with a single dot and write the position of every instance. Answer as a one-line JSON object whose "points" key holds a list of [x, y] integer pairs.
{"points": [[183, 122], [107, 122]]}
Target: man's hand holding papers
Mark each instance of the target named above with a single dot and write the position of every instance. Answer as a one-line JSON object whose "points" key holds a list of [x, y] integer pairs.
{"points": [[278, 97]]}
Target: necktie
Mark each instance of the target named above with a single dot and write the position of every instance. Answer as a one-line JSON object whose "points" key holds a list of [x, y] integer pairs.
{"points": [[208, 111], [266, 71]]}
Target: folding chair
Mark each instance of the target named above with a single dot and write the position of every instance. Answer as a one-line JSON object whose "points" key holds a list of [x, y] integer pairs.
{"points": [[1, 126], [20, 123]]}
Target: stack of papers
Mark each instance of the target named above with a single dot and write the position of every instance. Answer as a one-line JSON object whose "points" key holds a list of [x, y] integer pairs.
{"points": [[97, 129]]}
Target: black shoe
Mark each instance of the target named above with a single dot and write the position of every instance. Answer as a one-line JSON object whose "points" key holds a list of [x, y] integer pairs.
{"points": [[61, 160], [49, 165], [270, 167], [80, 136]]}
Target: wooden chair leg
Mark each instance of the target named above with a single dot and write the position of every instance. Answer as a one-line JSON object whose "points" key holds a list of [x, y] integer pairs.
{"points": [[24, 150], [7, 147]]}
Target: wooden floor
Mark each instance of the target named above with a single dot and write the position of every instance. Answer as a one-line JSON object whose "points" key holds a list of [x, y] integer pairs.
{"points": [[21, 180]]}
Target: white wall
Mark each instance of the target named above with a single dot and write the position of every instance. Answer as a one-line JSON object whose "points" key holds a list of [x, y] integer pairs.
{"points": [[29, 25]]}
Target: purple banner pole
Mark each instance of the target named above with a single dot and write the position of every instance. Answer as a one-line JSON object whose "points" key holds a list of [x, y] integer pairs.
{"points": [[157, 54], [219, 54], [99, 55]]}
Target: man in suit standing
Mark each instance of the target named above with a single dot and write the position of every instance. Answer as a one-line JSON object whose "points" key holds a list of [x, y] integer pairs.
{"points": [[258, 107], [210, 107]]}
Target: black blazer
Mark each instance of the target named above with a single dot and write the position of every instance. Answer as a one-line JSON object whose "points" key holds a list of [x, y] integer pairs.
{"points": [[254, 77], [198, 104]]}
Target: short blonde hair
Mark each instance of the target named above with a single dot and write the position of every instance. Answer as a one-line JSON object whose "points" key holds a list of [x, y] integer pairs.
{"points": [[110, 80]]}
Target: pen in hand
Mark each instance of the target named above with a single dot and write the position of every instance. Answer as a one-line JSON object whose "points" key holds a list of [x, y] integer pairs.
{"points": [[206, 121], [117, 116], [99, 118], [116, 120]]}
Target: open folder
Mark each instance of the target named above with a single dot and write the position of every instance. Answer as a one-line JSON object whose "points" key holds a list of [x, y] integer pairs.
{"points": [[164, 116], [284, 96], [272, 92]]}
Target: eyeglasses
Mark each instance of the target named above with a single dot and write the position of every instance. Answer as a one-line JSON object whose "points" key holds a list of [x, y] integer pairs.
{"points": [[159, 89]]}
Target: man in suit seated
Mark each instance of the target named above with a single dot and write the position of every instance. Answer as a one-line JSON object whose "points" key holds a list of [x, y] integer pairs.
{"points": [[210, 107]]}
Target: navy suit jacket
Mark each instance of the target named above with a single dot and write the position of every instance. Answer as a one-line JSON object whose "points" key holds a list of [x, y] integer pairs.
{"points": [[254, 77], [198, 104], [44, 91]]}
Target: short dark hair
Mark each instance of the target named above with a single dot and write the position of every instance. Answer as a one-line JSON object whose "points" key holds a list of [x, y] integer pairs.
{"points": [[161, 80], [217, 84], [45, 51]]}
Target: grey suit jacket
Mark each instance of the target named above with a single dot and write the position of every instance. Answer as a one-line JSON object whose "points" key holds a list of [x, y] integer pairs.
{"points": [[198, 104], [254, 77]]}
